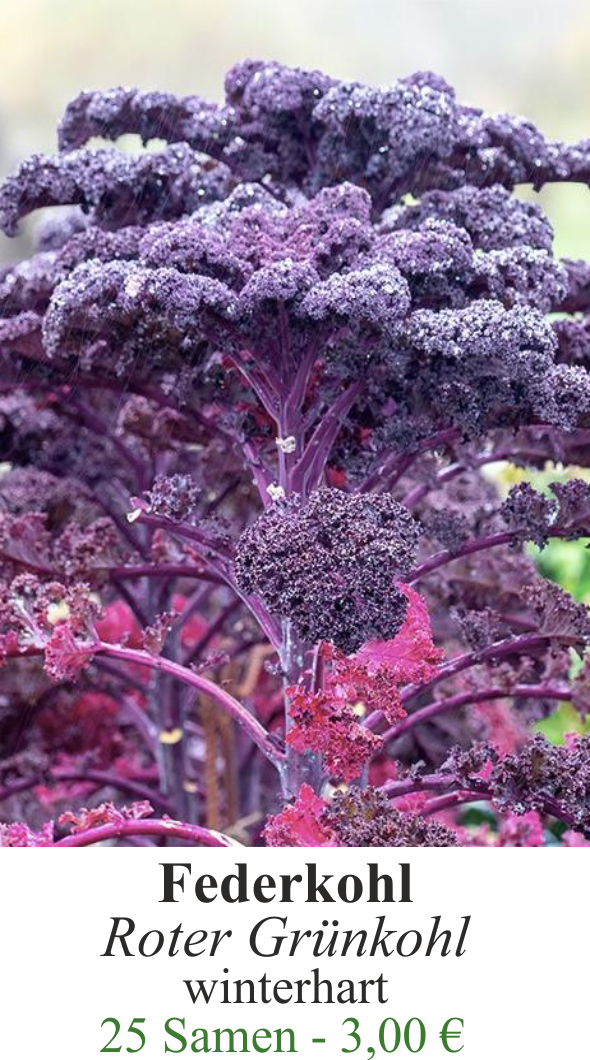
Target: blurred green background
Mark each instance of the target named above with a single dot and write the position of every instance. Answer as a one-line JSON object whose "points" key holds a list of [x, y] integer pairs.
{"points": [[522, 56], [525, 56]]}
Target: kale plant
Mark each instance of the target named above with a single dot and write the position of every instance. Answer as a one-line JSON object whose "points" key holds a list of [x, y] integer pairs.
{"points": [[254, 576]]}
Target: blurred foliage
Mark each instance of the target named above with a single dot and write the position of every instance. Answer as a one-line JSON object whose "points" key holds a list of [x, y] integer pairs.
{"points": [[568, 562], [565, 562], [563, 721]]}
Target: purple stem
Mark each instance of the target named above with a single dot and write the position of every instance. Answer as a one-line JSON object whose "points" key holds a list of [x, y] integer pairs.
{"points": [[424, 782], [162, 829], [97, 426], [219, 567], [260, 472], [219, 499], [123, 527], [477, 790], [112, 780], [184, 530], [231, 706], [165, 570], [29, 564], [447, 802], [521, 645], [292, 406], [441, 706], [308, 469], [399, 460], [194, 603], [212, 630], [87, 776], [131, 601], [511, 646], [260, 383], [417, 493], [479, 544], [440, 559], [17, 787]]}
